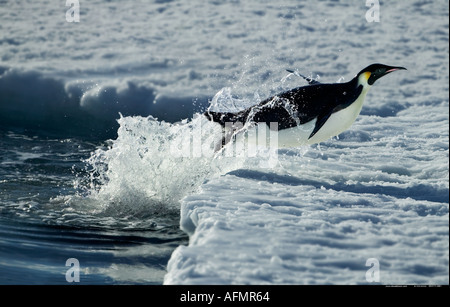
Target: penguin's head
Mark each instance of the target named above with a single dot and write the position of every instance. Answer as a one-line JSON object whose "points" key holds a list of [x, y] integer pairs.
{"points": [[373, 72]]}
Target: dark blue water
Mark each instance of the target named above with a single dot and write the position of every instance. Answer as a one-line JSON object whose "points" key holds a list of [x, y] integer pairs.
{"points": [[47, 217]]}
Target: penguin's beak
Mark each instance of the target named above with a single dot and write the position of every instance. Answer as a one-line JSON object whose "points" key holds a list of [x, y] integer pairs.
{"points": [[382, 72], [391, 69]]}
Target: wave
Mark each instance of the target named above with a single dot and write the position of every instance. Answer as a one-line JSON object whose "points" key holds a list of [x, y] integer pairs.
{"points": [[33, 101]]}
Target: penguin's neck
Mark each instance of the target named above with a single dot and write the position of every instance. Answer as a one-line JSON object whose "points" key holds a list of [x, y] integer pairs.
{"points": [[358, 82], [361, 80]]}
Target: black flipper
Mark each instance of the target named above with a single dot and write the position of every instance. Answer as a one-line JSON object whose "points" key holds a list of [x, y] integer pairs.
{"points": [[321, 120], [310, 80]]}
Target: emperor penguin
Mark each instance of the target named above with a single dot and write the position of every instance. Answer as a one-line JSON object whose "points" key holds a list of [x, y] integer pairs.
{"points": [[309, 114]]}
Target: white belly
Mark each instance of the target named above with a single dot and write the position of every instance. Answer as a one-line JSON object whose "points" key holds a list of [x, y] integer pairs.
{"points": [[336, 124]]}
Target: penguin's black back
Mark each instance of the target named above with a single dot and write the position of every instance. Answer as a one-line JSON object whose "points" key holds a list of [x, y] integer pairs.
{"points": [[296, 106]]}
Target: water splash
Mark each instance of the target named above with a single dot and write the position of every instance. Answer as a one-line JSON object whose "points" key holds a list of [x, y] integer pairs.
{"points": [[153, 164]]}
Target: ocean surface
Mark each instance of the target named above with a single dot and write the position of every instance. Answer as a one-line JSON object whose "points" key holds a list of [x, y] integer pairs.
{"points": [[106, 168], [46, 219]]}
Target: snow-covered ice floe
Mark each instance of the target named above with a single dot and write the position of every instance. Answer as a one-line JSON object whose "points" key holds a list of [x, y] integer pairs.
{"points": [[320, 223]]}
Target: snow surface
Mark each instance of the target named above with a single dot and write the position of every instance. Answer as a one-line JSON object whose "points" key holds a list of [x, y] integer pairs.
{"points": [[378, 191]]}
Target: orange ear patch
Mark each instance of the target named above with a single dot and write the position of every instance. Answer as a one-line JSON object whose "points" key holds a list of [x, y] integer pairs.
{"points": [[366, 75]]}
